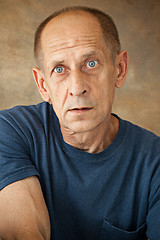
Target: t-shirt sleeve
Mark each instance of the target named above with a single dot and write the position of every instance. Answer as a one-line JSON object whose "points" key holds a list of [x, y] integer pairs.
{"points": [[15, 160], [153, 218], [153, 215]]}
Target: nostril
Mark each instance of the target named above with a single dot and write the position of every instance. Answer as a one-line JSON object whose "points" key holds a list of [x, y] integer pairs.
{"points": [[77, 93]]}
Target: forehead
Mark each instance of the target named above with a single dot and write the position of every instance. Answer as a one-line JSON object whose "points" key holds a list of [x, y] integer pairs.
{"points": [[72, 31]]}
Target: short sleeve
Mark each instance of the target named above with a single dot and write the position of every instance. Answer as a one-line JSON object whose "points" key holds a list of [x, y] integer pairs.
{"points": [[15, 161], [153, 215], [153, 218]]}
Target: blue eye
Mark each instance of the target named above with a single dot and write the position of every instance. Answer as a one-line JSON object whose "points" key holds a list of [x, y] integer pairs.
{"points": [[92, 64], [58, 69]]}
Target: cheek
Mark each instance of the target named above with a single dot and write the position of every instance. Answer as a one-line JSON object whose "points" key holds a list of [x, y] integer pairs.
{"points": [[105, 93], [105, 86], [58, 97]]}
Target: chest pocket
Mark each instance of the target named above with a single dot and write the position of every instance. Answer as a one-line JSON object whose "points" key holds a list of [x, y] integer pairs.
{"points": [[110, 232]]}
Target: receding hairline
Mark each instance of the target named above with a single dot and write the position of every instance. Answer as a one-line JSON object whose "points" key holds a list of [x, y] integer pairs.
{"points": [[110, 34]]}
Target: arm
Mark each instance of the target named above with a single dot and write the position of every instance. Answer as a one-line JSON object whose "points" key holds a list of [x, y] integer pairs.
{"points": [[23, 213]]}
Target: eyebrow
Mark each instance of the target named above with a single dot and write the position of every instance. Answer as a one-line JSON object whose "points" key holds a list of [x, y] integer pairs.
{"points": [[89, 54], [83, 56], [57, 62]]}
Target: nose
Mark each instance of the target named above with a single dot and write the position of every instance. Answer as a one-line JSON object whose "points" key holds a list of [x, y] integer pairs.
{"points": [[78, 85]]}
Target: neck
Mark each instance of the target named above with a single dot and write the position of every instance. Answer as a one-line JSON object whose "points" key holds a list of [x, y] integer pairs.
{"points": [[95, 140]]}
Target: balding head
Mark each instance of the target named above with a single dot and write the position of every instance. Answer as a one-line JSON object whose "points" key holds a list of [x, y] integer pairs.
{"points": [[75, 15]]}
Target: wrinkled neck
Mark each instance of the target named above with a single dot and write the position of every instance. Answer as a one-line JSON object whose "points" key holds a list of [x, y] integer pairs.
{"points": [[96, 140]]}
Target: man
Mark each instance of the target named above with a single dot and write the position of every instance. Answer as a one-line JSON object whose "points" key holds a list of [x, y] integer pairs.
{"points": [[98, 173]]}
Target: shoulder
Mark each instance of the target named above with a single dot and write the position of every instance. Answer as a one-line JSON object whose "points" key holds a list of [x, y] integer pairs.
{"points": [[145, 148], [140, 137], [24, 116], [142, 145], [24, 131], [25, 111], [23, 124]]}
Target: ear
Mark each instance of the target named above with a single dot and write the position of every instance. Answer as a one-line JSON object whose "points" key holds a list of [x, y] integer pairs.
{"points": [[39, 78], [122, 68]]}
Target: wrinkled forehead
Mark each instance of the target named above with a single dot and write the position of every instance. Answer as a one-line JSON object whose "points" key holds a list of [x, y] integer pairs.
{"points": [[70, 30]]}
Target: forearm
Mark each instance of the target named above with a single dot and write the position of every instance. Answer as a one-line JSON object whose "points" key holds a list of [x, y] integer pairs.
{"points": [[23, 213], [29, 236], [25, 232]]}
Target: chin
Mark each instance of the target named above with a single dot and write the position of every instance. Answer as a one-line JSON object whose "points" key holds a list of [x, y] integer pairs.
{"points": [[82, 126]]}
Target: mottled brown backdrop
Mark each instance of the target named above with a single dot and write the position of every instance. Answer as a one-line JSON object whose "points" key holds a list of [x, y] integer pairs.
{"points": [[138, 22]]}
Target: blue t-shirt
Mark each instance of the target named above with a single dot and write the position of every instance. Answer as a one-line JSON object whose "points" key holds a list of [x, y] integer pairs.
{"points": [[111, 195]]}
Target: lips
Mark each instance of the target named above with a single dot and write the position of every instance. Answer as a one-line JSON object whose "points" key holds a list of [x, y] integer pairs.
{"points": [[80, 109]]}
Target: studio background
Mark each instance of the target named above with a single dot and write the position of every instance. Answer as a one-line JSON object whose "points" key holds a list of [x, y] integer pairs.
{"points": [[138, 23]]}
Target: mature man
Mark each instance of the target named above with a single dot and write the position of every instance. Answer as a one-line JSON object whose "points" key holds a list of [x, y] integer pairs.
{"points": [[99, 174]]}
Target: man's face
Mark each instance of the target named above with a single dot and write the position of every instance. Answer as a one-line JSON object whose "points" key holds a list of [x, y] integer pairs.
{"points": [[79, 74]]}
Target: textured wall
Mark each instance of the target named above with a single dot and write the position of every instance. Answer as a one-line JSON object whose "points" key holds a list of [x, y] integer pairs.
{"points": [[138, 24]]}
